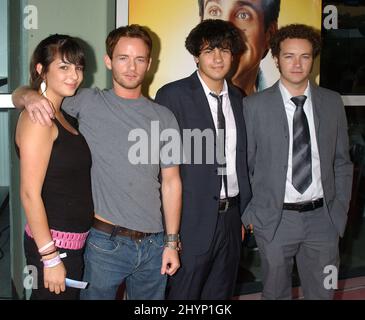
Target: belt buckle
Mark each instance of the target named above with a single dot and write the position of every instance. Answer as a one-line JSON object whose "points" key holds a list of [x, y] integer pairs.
{"points": [[137, 236], [313, 204], [302, 207], [226, 205], [307, 206]]}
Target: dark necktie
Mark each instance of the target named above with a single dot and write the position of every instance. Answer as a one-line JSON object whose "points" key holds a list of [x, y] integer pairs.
{"points": [[221, 124], [301, 156]]}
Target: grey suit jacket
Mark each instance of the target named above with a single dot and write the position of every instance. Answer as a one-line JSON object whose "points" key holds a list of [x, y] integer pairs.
{"points": [[268, 147]]}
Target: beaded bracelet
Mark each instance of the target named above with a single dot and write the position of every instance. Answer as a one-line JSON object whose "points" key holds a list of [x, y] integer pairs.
{"points": [[172, 246]]}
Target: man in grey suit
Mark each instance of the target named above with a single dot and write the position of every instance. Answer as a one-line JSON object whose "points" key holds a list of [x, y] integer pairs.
{"points": [[300, 170]]}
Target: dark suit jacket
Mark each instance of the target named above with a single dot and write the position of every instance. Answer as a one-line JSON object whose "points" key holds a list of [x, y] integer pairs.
{"points": [[201, 183], [268, 147]]}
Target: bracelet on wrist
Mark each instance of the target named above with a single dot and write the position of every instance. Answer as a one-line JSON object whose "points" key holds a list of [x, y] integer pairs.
{"points": [[172, 246], [48, 253], [52, 262], [45, 247], [172, 237]]}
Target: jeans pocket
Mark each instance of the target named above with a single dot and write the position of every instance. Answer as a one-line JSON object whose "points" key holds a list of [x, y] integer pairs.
{"points": [[101, 242], [157, 240]]}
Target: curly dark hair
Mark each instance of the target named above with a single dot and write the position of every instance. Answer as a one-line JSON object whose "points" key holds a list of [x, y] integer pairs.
{"points": [[216, 34], [271, 10], [296, 31]]}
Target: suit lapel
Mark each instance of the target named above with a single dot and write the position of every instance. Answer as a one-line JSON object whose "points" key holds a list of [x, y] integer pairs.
{"points": [[201, 102], [279, 110], [237, 108], [316, 103]]}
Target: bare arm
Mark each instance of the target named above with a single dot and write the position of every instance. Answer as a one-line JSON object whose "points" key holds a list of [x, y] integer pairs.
{"points": [[171, 201], [35, 144], [39, 108]]}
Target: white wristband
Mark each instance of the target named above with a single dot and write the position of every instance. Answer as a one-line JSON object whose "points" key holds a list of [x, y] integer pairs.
{"points": [[46, 246], [52, 262]]}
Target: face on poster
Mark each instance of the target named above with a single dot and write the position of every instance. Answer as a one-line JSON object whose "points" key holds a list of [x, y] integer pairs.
{"points": [[170, 22]]}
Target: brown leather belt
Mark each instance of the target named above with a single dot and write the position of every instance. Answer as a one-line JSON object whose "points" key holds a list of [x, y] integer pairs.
{"points": [[119, 230], [227, 203], [304, 206]]}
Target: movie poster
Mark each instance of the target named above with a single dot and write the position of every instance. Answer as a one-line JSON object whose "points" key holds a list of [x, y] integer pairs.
{"points": [[170, 22]]}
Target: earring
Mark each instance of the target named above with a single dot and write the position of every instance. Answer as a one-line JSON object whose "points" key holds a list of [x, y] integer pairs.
{"points": [[43, 88]]}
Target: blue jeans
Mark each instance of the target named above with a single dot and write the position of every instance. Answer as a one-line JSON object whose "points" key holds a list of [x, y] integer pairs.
{"points": [[111, 260]]}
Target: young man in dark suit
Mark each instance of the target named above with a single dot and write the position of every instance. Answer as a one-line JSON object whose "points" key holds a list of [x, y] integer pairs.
{"points": [[300, 170], [215, 192]]}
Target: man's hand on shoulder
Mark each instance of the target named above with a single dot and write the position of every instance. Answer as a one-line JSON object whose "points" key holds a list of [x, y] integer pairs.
{"points": [[39, 108]]}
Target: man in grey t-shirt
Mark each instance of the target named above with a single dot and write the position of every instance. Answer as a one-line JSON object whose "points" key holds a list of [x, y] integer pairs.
{"points": [[124, 131]]}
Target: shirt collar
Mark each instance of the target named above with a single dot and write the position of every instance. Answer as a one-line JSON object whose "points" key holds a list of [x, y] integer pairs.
{"points": [[207, 91], [287, 96]]}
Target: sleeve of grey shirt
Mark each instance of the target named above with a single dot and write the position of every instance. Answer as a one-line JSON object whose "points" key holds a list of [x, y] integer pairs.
{"points": [[75, 104]]}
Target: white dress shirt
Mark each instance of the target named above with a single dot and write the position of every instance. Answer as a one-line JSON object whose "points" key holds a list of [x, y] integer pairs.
{"points": [[231, 135], [315, 190]]}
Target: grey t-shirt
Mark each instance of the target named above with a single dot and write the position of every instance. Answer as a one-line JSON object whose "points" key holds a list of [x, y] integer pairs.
{"points": [[125, 193]]}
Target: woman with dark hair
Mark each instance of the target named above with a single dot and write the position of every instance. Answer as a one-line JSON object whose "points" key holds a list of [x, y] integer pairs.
{"points": [[55, 184]]}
